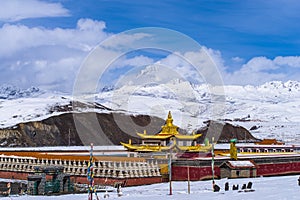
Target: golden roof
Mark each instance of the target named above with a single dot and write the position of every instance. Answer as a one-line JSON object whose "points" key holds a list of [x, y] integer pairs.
{"points": [[169, 130], [164, 137], [156, 148]]}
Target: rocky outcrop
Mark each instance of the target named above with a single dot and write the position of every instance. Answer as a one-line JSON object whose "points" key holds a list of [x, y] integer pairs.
{"points": [[223, 132]]}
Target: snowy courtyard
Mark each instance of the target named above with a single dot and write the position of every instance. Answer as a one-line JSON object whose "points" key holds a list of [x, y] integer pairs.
{"points": [[284, 187]]}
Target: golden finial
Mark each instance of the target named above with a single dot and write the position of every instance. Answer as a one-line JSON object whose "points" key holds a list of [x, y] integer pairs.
{"points": [[169, 121], [169, 115]]}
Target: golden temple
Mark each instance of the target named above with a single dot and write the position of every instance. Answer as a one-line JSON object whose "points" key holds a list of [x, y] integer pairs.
{"points": [[168, 138]]}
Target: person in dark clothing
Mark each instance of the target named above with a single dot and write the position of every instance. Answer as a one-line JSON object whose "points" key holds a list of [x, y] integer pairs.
{"points": [[216, 187], [226, 186], [249, 185], [235, 187], [244, 187]]}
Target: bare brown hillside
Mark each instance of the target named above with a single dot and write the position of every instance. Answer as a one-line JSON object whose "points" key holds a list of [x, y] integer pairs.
{"points": [[223, 132], [79, 129], [101, 129]]}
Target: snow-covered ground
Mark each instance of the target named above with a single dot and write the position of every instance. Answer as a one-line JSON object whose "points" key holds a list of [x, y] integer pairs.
{"points": [[285, 187]]}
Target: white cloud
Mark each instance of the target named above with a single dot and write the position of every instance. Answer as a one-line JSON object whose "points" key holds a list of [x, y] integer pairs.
{"points": [[258, 64], [209, 62], [288, 61], [204, 65], [84, 37], [237, 59], [256, 71], [251, 78], [193, 66], [259, 70], [51, 58], [60, 73], [46, 57], [126, 40], [136, 61], [15, 10]]}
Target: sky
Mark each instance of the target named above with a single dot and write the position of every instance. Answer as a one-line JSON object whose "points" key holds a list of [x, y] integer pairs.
{"points": [[44, 43]]}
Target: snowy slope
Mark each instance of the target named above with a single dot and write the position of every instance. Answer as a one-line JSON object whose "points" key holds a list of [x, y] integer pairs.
{"points": [[27, 109], [273, 107], [36, 105], [270, 110]]}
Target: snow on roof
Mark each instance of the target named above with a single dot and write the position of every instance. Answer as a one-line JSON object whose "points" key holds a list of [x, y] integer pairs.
{"points": [[12, 156], [252, 145], [65, 148], [244, 163]]}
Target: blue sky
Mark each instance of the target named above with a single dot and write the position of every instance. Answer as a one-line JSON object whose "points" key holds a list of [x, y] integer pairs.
{"points": [[238, 28], [47, 40]]}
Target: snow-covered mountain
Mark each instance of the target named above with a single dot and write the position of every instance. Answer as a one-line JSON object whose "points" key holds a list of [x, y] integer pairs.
{"points": [[18, 106], [13, 92], [270, 110]]}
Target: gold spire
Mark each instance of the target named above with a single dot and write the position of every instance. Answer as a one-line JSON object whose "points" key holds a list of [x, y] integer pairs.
{"points": [[169, 127], [169, 121]]}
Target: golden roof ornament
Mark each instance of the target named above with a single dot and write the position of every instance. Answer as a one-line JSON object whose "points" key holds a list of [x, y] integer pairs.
{"points": [[169, 127]]}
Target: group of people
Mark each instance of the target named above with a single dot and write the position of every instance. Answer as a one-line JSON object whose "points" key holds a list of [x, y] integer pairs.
{"points": [[248, 186]]}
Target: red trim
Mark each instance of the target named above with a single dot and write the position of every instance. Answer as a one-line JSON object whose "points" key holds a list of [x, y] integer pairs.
{"points": [[179, 173]]}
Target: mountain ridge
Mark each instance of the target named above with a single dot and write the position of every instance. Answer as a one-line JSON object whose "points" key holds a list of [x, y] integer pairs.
{"points": [[271, 107]]}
